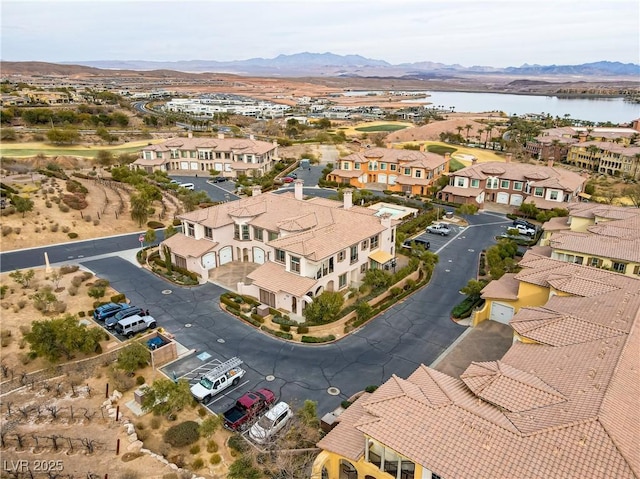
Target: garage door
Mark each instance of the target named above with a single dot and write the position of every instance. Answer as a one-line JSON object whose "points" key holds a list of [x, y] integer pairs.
{"points": [[501, 313], [503, 198], [194, 165], [184, 165], [209, 261], [392, 179], [516, 200], [258, 255], [382, 178], [226, 255]]}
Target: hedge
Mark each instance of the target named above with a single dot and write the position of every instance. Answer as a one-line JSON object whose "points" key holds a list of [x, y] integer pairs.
{"points": [[257, 318], [279, 334], [155, 225], [315, 339], [118, 298], [250, 320], [182, 434], [283, 321], [464, 308]]}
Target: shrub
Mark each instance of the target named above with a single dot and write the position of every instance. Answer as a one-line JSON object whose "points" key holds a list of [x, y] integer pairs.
{"points": [[6, 230], [140, 380], [87, 218], [63, 207], [65, 229], [212, 446], [72, 235], [236, 443], [371, 388], [285, 327], [182, 434], [76, 281], [155, 225], [303, 329], [156, 422], [280, 334], [195, 449], [257, 318], [54, 227], [118, 298], [202, 412], [59, 307], [345, 404], [314, 339], [215, 459], [69, 268], [198, 463], [75, 201], [81, 314], [101, 283]]}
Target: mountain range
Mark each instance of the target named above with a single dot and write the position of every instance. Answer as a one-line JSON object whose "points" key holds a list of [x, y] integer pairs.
{"points": [[330, 64]]}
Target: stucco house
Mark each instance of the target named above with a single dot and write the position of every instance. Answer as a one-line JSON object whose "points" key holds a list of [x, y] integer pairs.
{"points": [[562, 402], [230, 156], [408, 171], [304, 247], [512, 184]]}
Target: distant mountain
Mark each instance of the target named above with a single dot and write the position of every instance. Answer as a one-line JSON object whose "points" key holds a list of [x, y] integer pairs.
{"points": [[330, 64]]}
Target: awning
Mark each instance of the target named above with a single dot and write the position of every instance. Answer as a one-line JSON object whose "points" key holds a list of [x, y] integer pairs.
{"points": [[381, 257], [584, 195]]}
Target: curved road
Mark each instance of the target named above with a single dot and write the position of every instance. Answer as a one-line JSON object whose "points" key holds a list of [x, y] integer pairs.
{"points": [[415, 331]]}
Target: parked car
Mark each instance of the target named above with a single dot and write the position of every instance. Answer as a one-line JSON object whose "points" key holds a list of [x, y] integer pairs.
{"points": [[416, 241], [249, 407], [218, 379], [188, 186], [525, 230], [272, 422], [134, 324], [293, 175], [174, 182], [125, 313], [105, 311], [288, 179], [219, 179], [520, 221], [439, 229]]}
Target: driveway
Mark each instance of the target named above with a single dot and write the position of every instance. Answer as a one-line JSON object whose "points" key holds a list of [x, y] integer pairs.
{"points": [[418, 330]]}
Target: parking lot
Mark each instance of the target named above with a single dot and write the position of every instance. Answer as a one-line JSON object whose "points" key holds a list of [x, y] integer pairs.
{"points": [[438, 242], [224, 191]]}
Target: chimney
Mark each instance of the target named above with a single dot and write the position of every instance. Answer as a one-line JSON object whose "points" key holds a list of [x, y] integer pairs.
{"points": [[297, 190], [220, 136], [388, 145], [251, 137], [190, 134], [256, 190], [385, 220], [474, 161], [550, 162], [508, 157], [348, 199], [447, 156], [422, 147]]}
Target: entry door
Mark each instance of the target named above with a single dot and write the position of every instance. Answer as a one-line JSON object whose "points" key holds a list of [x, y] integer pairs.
{"points": [[226, 255], [258, 255]]}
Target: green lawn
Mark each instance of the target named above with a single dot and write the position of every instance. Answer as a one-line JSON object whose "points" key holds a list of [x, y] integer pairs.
{"points": [[383, 127], [81, 152], [455, 165], [441, 149]]}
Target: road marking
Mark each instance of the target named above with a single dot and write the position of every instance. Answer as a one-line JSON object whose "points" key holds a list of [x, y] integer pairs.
{"points": [[225, 394]]}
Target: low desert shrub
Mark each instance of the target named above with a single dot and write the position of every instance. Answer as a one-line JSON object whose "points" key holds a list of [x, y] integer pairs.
{"points": [[303, 329], [54, 227], [65, 229], [195, 449], [215, 459], [197, 463], [140, 380], [156, 422], [182, 434], [6, 230], [212, 446], [72, 235]]}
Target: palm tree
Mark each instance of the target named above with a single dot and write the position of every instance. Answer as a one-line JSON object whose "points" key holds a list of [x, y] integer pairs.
{"points": [[480, 132], [467, 127]]}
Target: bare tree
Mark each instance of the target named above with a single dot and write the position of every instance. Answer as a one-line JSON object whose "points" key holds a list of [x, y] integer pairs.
{"points": [[54, 441], [89, 416], [19, 440], [54, 411], [8, 405], [24, 410], [90, 444]]}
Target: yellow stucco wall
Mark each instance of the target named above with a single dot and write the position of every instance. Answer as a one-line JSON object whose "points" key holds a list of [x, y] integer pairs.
{"points": [[528, 295], [580, 224], [331, 462]]}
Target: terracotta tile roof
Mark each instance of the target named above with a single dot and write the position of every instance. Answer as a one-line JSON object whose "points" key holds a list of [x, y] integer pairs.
{"points": [[151, 162], [543, 204], [236, 145], [504, 288], [187, 246], [591, 210], [273, 277], [409, 158], [466, 192], [616, 248], [346, 173], [557, 223], [563, 409], [409, 180]]}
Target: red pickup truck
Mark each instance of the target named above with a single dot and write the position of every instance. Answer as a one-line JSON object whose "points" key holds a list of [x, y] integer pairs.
{"points": [[248, 408]]}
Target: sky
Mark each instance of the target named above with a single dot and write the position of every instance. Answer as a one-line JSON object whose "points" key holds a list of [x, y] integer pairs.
{"points": [[497, 33]]}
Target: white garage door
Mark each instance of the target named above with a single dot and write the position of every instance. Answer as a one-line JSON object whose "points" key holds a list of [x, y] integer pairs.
{"points": [[194, 165], [501, 313], [382, 178], [209, 261], [258, 255], [503, 198], [392, 179], [516, 200], [184, 165], [226, 255]]}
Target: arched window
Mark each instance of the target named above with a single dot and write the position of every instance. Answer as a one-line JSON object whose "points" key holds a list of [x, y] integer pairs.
{"points": [[347, 470]]}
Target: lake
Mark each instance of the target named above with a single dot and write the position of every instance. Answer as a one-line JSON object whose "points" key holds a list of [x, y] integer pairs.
{"points": [[615, 110]]}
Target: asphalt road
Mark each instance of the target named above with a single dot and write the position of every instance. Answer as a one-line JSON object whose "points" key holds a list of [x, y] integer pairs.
{"points": [[414, 331]]}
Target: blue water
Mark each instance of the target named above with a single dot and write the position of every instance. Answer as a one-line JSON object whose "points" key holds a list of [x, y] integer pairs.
{"points": [[614, 110]]}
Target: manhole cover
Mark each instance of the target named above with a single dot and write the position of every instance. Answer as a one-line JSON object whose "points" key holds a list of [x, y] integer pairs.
{"points": [[270, 377], [166, 291], [220, 340], [333, 391], [188, 325]]}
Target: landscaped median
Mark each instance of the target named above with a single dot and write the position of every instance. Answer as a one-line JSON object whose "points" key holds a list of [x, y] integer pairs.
{"points": [[381, 291]]}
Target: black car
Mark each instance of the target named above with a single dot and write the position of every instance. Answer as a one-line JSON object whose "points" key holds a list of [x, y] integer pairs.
{"points": [[418, 241], [525, 223], [219, 179], [125, 313]]}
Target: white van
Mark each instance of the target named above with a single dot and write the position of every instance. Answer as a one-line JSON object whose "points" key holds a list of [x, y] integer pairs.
{"points": [[189, 186], [272, 422]]}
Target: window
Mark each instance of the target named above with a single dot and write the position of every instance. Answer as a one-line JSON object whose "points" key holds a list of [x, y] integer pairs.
{"points": [[475, 183], [184, 154], [435, 476], [363, 267], [619, 267], [393, 167], [460, 182], [492, 183], [342, 280], [191, 231], [407, 470], [553, 195], [365, 244], [268, 298], [538, 191], [374, 241], [273, 236], [595, 262], [354, 254], [636, 270], [208, 232], [280, 256], [418, 173], [341, 255], [192, 154], [258, 233], [517, 185], [294, 264], [407, 171], [356, 166], [383, 166], [504, 184], [236, 231], [181, 262], [245, 233], [345, 165]]}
